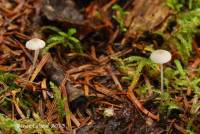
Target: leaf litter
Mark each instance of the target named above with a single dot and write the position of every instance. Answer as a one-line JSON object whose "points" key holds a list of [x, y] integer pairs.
{"points": [[97, 59]]}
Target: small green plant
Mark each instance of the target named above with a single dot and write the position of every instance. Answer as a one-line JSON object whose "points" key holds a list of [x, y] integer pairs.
{"points": [[180, 69], [133, 67], [184, 32], [190, 127], [9, 126], [180, 78], [119, 17], [183, 81], [7, 77], [175, 4], [58, 99], [180, 5], [187, 22], [168, 104], [7, 80], [142, 90], [67, 39], [37, 125]]}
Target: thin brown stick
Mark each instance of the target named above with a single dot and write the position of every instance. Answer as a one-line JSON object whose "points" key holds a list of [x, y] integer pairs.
{"points": [[17, 106], [40, 66], [115, 79], [137, 103], [66, 105]]}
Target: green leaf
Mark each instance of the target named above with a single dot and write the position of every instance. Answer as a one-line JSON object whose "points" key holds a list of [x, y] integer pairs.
{"points": [[180, 68], [55, 38], [71, 31], [172, 106], [117, 7], [49, 46], [63, 34], [52, 28], [74, 40], [71, 46], [120, 18]]}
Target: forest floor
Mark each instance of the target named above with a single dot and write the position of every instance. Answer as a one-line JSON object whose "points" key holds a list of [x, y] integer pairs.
{"points": [[94, 76]]}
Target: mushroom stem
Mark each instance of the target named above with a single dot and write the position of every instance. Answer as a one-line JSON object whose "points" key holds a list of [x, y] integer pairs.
{"points": [[36, 54], [161, 76], [35, 58]]}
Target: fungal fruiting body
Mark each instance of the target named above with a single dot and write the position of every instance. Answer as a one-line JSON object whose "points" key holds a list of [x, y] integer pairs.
{"points": [[160, 57], [35, 44]]}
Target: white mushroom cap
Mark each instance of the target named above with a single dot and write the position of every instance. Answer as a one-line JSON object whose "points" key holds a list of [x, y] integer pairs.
{"points": [[160, 56], [35, 44]]}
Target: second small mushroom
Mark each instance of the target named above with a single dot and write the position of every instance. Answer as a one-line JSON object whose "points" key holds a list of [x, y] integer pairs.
{"points": [[35, 44], [160, 57]]}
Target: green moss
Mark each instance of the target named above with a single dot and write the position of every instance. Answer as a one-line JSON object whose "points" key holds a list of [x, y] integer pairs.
{"points": [[9, 126], [120, 17], [59, 100], [7, 77], [133, 66]]}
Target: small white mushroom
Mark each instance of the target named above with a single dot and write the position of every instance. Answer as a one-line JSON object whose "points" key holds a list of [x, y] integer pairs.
{"points": [[160, 57], [35, 44]]}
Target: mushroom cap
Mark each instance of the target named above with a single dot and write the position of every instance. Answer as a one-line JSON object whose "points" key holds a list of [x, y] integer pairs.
{"points": [[35, 44], [160, 56]]}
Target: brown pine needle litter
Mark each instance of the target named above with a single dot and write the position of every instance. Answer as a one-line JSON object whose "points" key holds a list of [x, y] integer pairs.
{"points": [[94, 75]]}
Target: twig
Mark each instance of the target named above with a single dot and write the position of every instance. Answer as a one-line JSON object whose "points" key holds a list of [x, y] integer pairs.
{"points": [[180, 129], [17, 106], [93, 52], [117, 54], [137, 103], [40, 66], [102, 89], [66, 105], [115, 79], [79, 69], [44, 86]]}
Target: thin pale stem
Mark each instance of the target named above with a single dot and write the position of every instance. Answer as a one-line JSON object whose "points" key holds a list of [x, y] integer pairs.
{"points": [[161, 76], [35, 58], [36, 54]]}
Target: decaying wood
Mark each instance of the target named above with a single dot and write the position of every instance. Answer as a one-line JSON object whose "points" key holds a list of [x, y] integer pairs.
{"points": [[62, 10], [146, 15], [56, 74]]}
